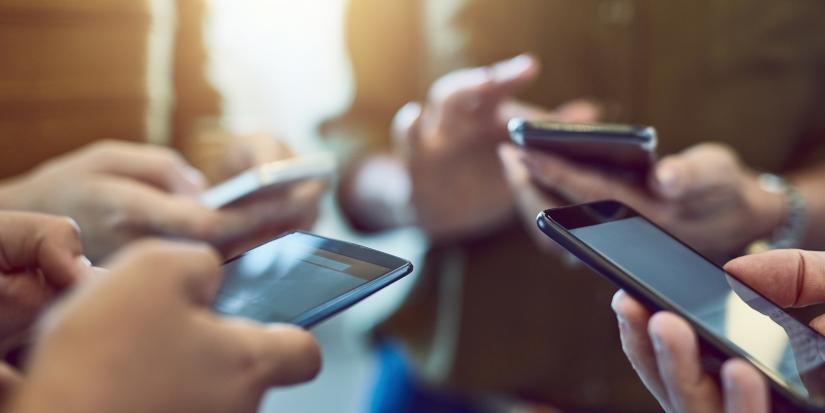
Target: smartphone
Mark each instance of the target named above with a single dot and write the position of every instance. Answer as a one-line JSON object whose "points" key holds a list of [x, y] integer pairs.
{"points": [[270, 176], [731, 319], [625, 148], [303, 279]]}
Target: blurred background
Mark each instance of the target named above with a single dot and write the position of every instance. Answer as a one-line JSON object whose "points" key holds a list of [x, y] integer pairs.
{"points": [[492, 321]]}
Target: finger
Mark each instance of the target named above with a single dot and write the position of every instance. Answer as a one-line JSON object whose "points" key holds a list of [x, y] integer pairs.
{"points": [[744, 388], [186, 271], [480, 90], [509, 76], [36, 241], [698, 169], [265, 148], [406, 126], [790, 278], [158, 166], [9, 380], [153, 213], [149, 212], [255, 222], [689, 388], [512, 108], [633, 319], [818, 324], [530, 199], [279, 354], [578, 183], [579, 111]]}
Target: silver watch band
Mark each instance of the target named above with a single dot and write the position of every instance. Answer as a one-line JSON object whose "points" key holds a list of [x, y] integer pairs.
{"points": [[790, 234]]}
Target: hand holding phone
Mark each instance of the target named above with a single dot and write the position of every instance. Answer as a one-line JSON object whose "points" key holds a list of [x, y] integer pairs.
{"points": [[303, 279], [731, 319], [698, 193], [270, 177], [625, 149]]}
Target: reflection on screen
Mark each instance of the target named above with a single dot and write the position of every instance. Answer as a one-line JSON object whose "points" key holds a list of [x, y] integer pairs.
{"points": [[782, 346], [289, 276]]}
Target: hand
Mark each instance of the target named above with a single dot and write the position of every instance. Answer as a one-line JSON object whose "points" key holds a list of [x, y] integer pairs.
{"points": [[40, 257], [144, 339], [449, 146], [118, 192], [663, 348], [9, 382], [664, 351], [221, 155], [704, 195]]}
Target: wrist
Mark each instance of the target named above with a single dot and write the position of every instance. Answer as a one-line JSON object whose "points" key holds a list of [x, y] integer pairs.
{"points": [[784, 215]]}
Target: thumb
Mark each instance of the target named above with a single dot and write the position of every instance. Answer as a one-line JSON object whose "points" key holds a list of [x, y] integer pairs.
{"points": [[695, 170], [282, 354], [790, 278], [579, 111]]}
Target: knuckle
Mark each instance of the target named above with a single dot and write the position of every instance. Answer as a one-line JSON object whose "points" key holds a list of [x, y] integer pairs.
{"points": [[151, 248], [109, 147], [208, 229], [155, 251], [168, 161], [57, 226], [68, 227]]}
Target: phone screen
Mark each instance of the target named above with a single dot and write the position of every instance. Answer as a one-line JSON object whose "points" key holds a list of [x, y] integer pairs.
{"points": [[783, 347], [292, 275]]}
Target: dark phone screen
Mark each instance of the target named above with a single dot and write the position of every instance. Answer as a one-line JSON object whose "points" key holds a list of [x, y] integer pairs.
{"points": [[781, 346], [289, 276]]}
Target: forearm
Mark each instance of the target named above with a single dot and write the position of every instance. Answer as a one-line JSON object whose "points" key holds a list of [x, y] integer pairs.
{"points": [[810, 183], [376, 193]]}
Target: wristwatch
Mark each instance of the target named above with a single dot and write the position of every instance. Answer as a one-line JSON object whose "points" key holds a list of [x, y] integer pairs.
{"points": [[792, 230]]}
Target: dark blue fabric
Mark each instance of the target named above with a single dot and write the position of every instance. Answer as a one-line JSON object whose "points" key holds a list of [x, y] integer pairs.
{"points": [[396, 390]]}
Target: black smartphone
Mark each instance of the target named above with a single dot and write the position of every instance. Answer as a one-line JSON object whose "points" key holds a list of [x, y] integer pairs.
{"points": [[731, 319], [303, 279], [622, 148]]}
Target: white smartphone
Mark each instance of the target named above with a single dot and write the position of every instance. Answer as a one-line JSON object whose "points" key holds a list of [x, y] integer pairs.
{"points": [[270, 176]]}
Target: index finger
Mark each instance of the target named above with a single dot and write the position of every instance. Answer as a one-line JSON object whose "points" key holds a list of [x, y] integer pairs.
{"points": [[165, 268], [790, 278], [577, 183], [482, 88], [633, 321], [45, 242]]}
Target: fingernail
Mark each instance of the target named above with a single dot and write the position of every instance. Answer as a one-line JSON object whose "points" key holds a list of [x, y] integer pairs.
{"points": [[658, 345], [668, 181], [621, 320], [513, 67], [195, 177], [84, 261], [728, 384]]}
